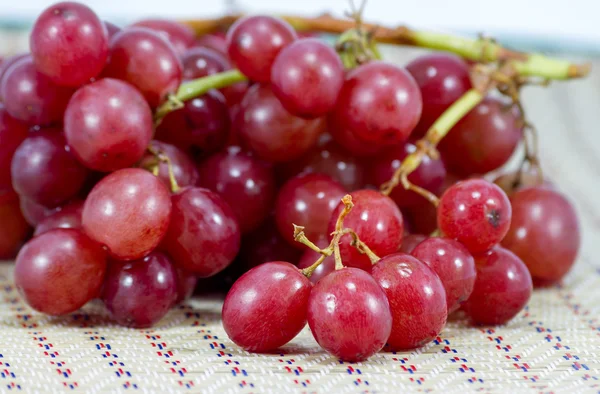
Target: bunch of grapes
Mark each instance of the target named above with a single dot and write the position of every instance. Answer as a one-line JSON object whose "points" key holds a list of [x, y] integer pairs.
{"points": [[135, 192]]}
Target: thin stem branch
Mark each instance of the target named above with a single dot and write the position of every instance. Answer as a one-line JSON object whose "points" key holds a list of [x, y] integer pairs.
{"points": [[362, 247]]}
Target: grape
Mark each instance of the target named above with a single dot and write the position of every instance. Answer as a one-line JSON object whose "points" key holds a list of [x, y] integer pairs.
{"points": [[329, 159], [429, 174], [410, 242], [421, 218], [108, 125], [475, 212], [307, 200], [272, 132], [34, 98], [139, 293], [179, 35], [59, 271], [186, 283], [544, 233], [214, 41], [203, 236], [34, 212], [377, 221], [111, 29], [307, 77], [266, 244], [199, 62], [309, 257], [417, 300], [12, 134], [453, 263], [511, 182], [67, 216], [253, 43], [502, 288], [6, 64], [244, 182], [69, 44], [13, 227], [379, 105], [349, 314], [184, 169], [127, 211], [200, 128], [266, 308], [146, 60], [442, 78], [483, 140]]}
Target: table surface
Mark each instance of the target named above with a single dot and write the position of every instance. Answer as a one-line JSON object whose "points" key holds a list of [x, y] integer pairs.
{"points": [[551, 346]]}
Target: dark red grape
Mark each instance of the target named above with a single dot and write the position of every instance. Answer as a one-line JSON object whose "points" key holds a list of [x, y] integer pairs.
{"points": [[307, 200], [245, 183], [429, 175], [453, 263], [59, 271], [377, 221], [307, 77], [200, 62], [183, 167], [253, 43], [266, 308], [483, 140], [128, 211], [68, 216], [203, 235], [410, 242], [349, 314], [34, 98], [44, 170], [186, 283], [271, 131], [13, 227], [139, 293], [69, 44], [146, 60], [200, 128], [108, 124], [379, 105], [111, 29], [309, 257], [33, 212], [12, 134], [502, 288], [179, 35], [442, 78], [6, 64], [544, 233], [421, 218], [475, 212], [417, 300]]}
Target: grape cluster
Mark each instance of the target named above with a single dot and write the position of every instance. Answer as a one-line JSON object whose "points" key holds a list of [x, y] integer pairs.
{"points": [[134, 209]]}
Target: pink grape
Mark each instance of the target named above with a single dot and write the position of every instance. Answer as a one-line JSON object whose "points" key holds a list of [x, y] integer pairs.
{"points": [[179, 35], [183, 167], [67, 216]]}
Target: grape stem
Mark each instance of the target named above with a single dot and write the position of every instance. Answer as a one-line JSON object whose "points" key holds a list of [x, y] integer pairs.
{"points": [[154, 167]]}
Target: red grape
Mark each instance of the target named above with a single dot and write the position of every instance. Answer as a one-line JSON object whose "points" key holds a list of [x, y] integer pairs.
{"points": [[245, 183], [377, 221], [68, 216], [475, 212], [6, 64], [271, 131], [33, 212], [253, 43], [442, 78], [421, 218], [12, 134], [183, 167], [108, 125], [139, 293], [200, 128], [128, 212], [111, 29], [179, 35], [34, 98], [13, 227], [307, 200], [307, 77], [214, 41], [483, 140], [203, 235], [266, 308], [186, 283], [199, 62], [349, 314], [410, 242], [380, 104], [147, 60], [59, 271], [453, 263], [309, 257], [430, 174], [544, 233], [69, 44], [502, 288], [417, 300]]}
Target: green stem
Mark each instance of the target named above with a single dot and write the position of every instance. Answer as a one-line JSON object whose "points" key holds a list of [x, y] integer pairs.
{"points": [[452, 115], [541, 66]]}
